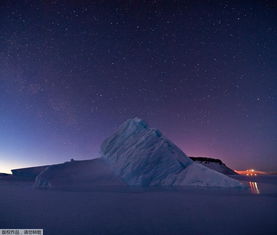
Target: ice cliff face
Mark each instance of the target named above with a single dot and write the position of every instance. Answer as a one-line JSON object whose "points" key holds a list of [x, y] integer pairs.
{"points": [[81, 175], [143, 156]]}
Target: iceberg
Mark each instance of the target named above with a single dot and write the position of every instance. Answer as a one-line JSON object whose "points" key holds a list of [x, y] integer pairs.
{"points": [[143, 156]]}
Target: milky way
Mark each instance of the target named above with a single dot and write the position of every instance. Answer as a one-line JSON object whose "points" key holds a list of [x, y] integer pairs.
{"points": [[203, 72]]}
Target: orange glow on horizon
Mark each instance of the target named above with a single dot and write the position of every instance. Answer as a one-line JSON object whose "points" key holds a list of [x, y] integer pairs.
{"points": [[250, 172], [6, 167]]}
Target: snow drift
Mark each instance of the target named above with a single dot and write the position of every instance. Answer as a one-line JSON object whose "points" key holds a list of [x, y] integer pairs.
{"points": [[142, 156]]}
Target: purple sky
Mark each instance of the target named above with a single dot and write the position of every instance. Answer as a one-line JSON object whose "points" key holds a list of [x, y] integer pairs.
{"points": [[203, 72]]}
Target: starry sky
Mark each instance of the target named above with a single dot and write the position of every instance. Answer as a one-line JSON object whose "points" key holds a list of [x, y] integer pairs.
{"points": [[203, 72]]}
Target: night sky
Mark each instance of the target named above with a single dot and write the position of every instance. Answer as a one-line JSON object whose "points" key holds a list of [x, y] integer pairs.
{"points": [[203, 72]]}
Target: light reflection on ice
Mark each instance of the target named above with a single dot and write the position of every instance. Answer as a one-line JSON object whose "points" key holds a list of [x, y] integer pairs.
{"points": [[254, 187]]}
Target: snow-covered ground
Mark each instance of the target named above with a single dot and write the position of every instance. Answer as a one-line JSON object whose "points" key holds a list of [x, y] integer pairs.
{"points": [[156, 211]]}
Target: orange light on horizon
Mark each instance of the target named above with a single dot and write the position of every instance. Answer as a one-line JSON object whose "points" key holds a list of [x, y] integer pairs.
{"points": [[250, 172]]}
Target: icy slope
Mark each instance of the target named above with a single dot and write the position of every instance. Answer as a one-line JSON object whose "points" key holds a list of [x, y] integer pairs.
{"points": [[143, 156], [198, 175], [77, 174]]}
